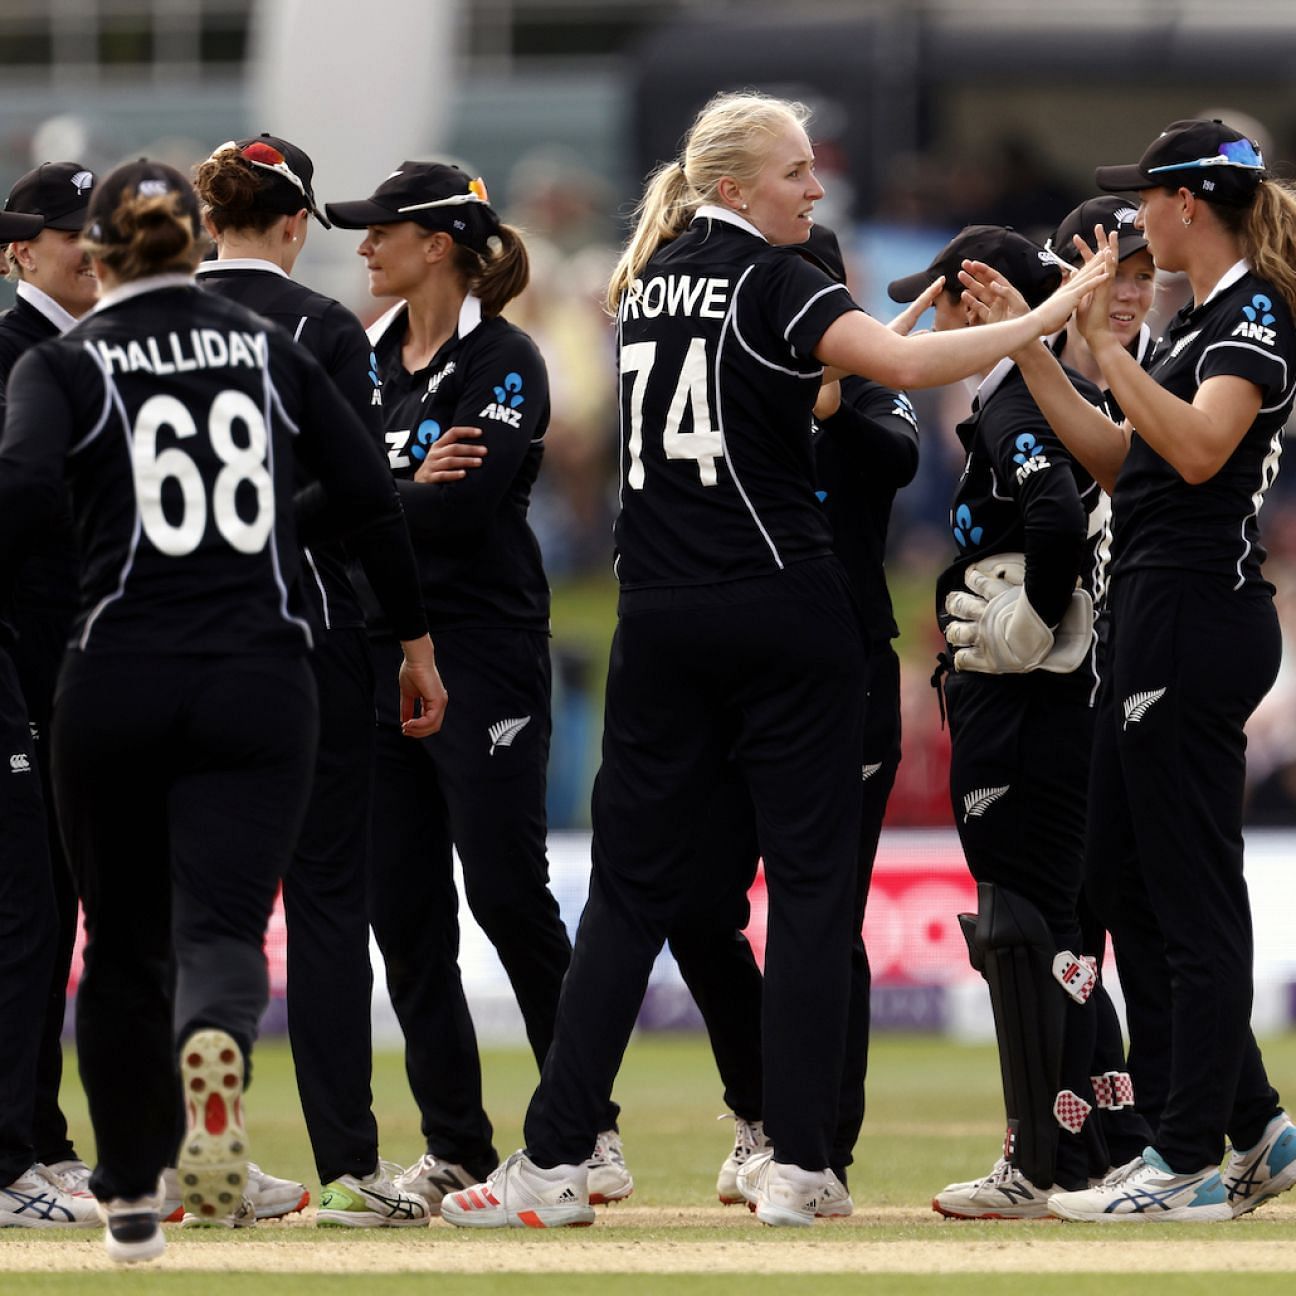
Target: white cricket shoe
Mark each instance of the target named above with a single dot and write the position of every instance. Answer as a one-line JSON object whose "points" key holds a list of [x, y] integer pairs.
{"points": [[1005, 1193], [36, 1200], [519, 1194], [1251, 1178], [133, 1230], [431, 1179], [749, 1137], [212, 1168], [609, 1180], [1147, 1189], [375, 1201], [72, 1176], [787, 1195], [273, 1198]]}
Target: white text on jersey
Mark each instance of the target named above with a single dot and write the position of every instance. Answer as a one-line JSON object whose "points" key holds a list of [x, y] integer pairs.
{"points": [[677, 295], [198, 349]]}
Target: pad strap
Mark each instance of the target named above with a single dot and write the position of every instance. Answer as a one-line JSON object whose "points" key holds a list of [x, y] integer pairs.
{"points": [[1071, 1111], [1077, 974], [1113, 1090]]}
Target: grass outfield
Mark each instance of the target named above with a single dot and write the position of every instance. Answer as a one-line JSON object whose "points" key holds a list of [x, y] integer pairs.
{"points": [[934, 1116]]}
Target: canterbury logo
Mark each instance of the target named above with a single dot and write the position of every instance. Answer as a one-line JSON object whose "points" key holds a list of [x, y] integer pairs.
{"points": [[1137, 705], [975, 804], [870, 770], [502, 732]]}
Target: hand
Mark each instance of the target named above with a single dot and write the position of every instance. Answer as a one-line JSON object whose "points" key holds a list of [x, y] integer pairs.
{"points": [[420, 683], [828, 402], [1053, 313], [908, 317], [988, 295], [996, 630], [1093, 315], [449, 457]]}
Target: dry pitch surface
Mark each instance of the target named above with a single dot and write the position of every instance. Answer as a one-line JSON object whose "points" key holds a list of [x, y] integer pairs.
{"points": [[630, 1239]]}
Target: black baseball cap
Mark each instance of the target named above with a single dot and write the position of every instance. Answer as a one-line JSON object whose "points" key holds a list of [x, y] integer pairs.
{"points": [[57, 192], [1026, 265], [1208, 158], [432, 194], [144, 179], [287, 172], [1115, 215]]}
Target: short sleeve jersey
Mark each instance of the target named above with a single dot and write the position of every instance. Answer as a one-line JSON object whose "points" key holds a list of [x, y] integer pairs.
{"points": [[479, 561], [718, 379], [1243, 329], [336, 338], [176, 416], [1022, 492]]}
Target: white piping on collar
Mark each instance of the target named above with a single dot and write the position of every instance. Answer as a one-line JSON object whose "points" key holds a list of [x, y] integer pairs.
{"points": [[470, 315], [40, 300], [994, 379], [711, 211], [1228, 279], [138, 287], [241, 263]]}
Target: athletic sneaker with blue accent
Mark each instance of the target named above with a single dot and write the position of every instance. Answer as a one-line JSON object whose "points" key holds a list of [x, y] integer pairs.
{"points": [[37, 1200], [1147, 1189], [212, 1168], [374, 1201], [786, 1195], [1269, 1168], [519, 1194]]}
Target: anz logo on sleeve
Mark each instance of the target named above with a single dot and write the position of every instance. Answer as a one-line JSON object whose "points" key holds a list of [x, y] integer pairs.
{"points": [[505, 407], [1258, 318]]}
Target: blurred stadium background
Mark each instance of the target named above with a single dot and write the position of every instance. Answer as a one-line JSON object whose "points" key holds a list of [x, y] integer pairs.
{"points": [[929, 114]]}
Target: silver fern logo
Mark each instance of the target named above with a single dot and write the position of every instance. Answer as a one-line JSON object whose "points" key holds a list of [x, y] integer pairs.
{"points": [[1187, 340], [1124, 215], [870, 770], [1138, 704], [82, 181], [975, 804], [502, 732]]}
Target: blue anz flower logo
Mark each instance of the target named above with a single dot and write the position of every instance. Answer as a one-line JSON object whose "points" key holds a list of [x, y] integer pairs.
{"points": [[511, 393], [1259, 310], [373, 369], [1027, 448], [964, 532], [429, 431], [821, 496], [903, 408]]}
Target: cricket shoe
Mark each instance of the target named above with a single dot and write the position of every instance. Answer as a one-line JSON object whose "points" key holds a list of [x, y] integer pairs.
{"points": [[72, 1176], [36, 1200], [372, 1202], [242, 1216], [1005, 1194], [609, 1180], [273, 1198], [1269, 1168], [133, 1229], [212, 1168], [788, 1196], [431, 1179], [749, 1138], [1147, 1189], [519, 1194]]}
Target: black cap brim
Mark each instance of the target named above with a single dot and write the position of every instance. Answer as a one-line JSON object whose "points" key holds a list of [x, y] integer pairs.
{"points": [[73, 220], [911, 287], [362, 214], [1123, 179], [20, 225]]}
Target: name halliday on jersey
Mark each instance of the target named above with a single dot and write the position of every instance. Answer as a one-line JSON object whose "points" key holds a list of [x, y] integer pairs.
{"points": [[206, 349]]}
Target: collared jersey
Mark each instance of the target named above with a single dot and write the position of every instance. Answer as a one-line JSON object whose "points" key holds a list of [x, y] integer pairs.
{"points": [[176, 416], [718, 379], [479, 561], [1021, 492], [1243, 329], [334, 336], [864, 453]]}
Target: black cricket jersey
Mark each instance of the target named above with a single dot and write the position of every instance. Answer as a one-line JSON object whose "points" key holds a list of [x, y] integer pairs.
{"points": [[718, 380], [479, 561], [43, 577], [1021, 492], [176, 417], [864, 453], [336, 338], [1243, 329]]}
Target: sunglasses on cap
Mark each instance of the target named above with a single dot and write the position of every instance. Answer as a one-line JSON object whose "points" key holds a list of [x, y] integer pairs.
{"points": [[268, 158], [476, 194], [1235, 153]]}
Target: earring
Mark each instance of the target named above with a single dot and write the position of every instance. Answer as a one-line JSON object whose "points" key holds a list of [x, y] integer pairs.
{"points": [[1187, 220], [743, 207]]}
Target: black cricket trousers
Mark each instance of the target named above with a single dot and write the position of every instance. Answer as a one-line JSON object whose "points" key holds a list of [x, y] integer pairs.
{"points": [[181, 784], [768, 671]]}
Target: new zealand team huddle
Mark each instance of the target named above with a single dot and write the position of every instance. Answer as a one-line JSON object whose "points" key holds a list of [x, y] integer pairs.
{"points": [[228, 517]]}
